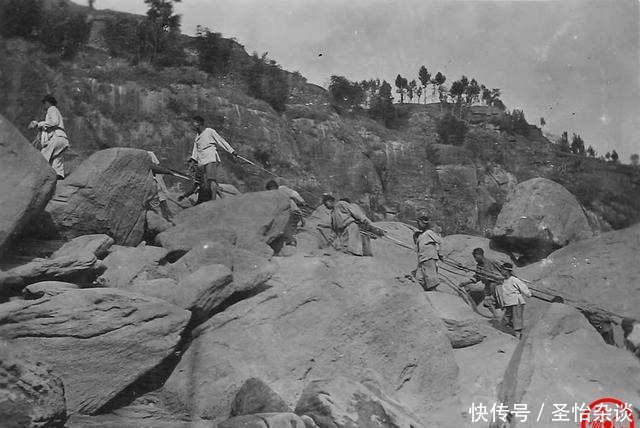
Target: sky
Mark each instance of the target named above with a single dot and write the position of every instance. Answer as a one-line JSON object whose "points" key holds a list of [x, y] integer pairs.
{"points": [[574, 62]]}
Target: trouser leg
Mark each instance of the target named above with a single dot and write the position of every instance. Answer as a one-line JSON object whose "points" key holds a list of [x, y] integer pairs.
{"points": [[211, 178]]}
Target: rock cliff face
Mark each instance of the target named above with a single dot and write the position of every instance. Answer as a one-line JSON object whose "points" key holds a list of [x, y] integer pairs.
{"points": [[403, 171]]}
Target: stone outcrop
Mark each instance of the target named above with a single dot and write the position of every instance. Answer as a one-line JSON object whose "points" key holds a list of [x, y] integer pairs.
{"points": [[257, 219], [26, 183], [97, 340], [75, 259], [538, 217], [108, 193], [341, 315]]}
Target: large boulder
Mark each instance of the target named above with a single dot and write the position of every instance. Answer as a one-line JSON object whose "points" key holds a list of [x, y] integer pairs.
{"points": [[321, 316], [564, 360], [343, 403], [31, 395], [75, 260], [538, 217], [107, 193], [601, 272], [258, 219], [97, 340], [26, 183]]}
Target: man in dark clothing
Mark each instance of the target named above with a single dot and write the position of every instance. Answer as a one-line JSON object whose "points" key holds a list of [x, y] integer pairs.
{"points": [[489, 272]]}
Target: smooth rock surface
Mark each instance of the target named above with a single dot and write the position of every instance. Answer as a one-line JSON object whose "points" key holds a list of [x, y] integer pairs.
{"points": [[538, 217], [564, 360], [341, 315], [601, 272], [27, 183], [257, 218], [108, 193]]}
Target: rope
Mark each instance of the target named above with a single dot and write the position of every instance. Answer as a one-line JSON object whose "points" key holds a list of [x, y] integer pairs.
{"points": [[536, 292]]}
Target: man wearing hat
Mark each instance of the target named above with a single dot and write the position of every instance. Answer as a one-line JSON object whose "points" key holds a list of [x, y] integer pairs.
{"points": [[428, 245], [511, 292], [346, 219]]}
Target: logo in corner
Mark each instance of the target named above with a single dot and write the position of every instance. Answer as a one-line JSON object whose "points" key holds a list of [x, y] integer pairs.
{"points": [[607, 412]]}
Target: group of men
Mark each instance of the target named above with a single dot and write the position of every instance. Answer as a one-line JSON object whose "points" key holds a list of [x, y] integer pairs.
{"points": [[350, 227]]}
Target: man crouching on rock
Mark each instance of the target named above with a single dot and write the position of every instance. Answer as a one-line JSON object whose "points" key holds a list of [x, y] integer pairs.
{"points": [[346, 219], [205, 153]]}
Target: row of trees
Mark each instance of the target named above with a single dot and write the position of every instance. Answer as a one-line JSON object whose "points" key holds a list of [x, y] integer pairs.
{"points": [[375, 96], [462, 91], [577, 147]]}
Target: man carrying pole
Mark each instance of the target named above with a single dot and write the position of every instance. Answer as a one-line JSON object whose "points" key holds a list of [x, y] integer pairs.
{"points": [[205, 154]]}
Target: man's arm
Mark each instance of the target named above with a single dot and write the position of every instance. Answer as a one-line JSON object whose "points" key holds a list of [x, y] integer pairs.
{"points": [[222, 142]]}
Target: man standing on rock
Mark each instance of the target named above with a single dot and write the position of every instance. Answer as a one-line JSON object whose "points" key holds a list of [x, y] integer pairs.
{"points": [[428, 245], [346, 219], [511, 293], [489, 272], [205, 153], [53, 138]]}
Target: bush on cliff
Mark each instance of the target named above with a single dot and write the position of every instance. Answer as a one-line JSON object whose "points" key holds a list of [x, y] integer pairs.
{"points": [[451, 130]]}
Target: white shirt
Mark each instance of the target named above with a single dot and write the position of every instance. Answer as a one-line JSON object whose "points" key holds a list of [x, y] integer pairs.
{"points": [[511, 291], [52, 119], [205, 147]]}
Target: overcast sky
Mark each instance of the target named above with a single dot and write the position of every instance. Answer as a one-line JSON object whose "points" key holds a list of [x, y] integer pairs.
{"points": [[573, 62]]}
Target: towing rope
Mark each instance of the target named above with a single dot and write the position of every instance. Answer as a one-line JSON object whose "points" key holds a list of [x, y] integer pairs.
{"points": [[538, 293]]}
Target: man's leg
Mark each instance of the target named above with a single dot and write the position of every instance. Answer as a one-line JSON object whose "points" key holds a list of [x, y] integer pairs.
{"points": [[489, 299], [352, 239], [507, 319], [429, 272], [518, 319], [211, 178]]}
